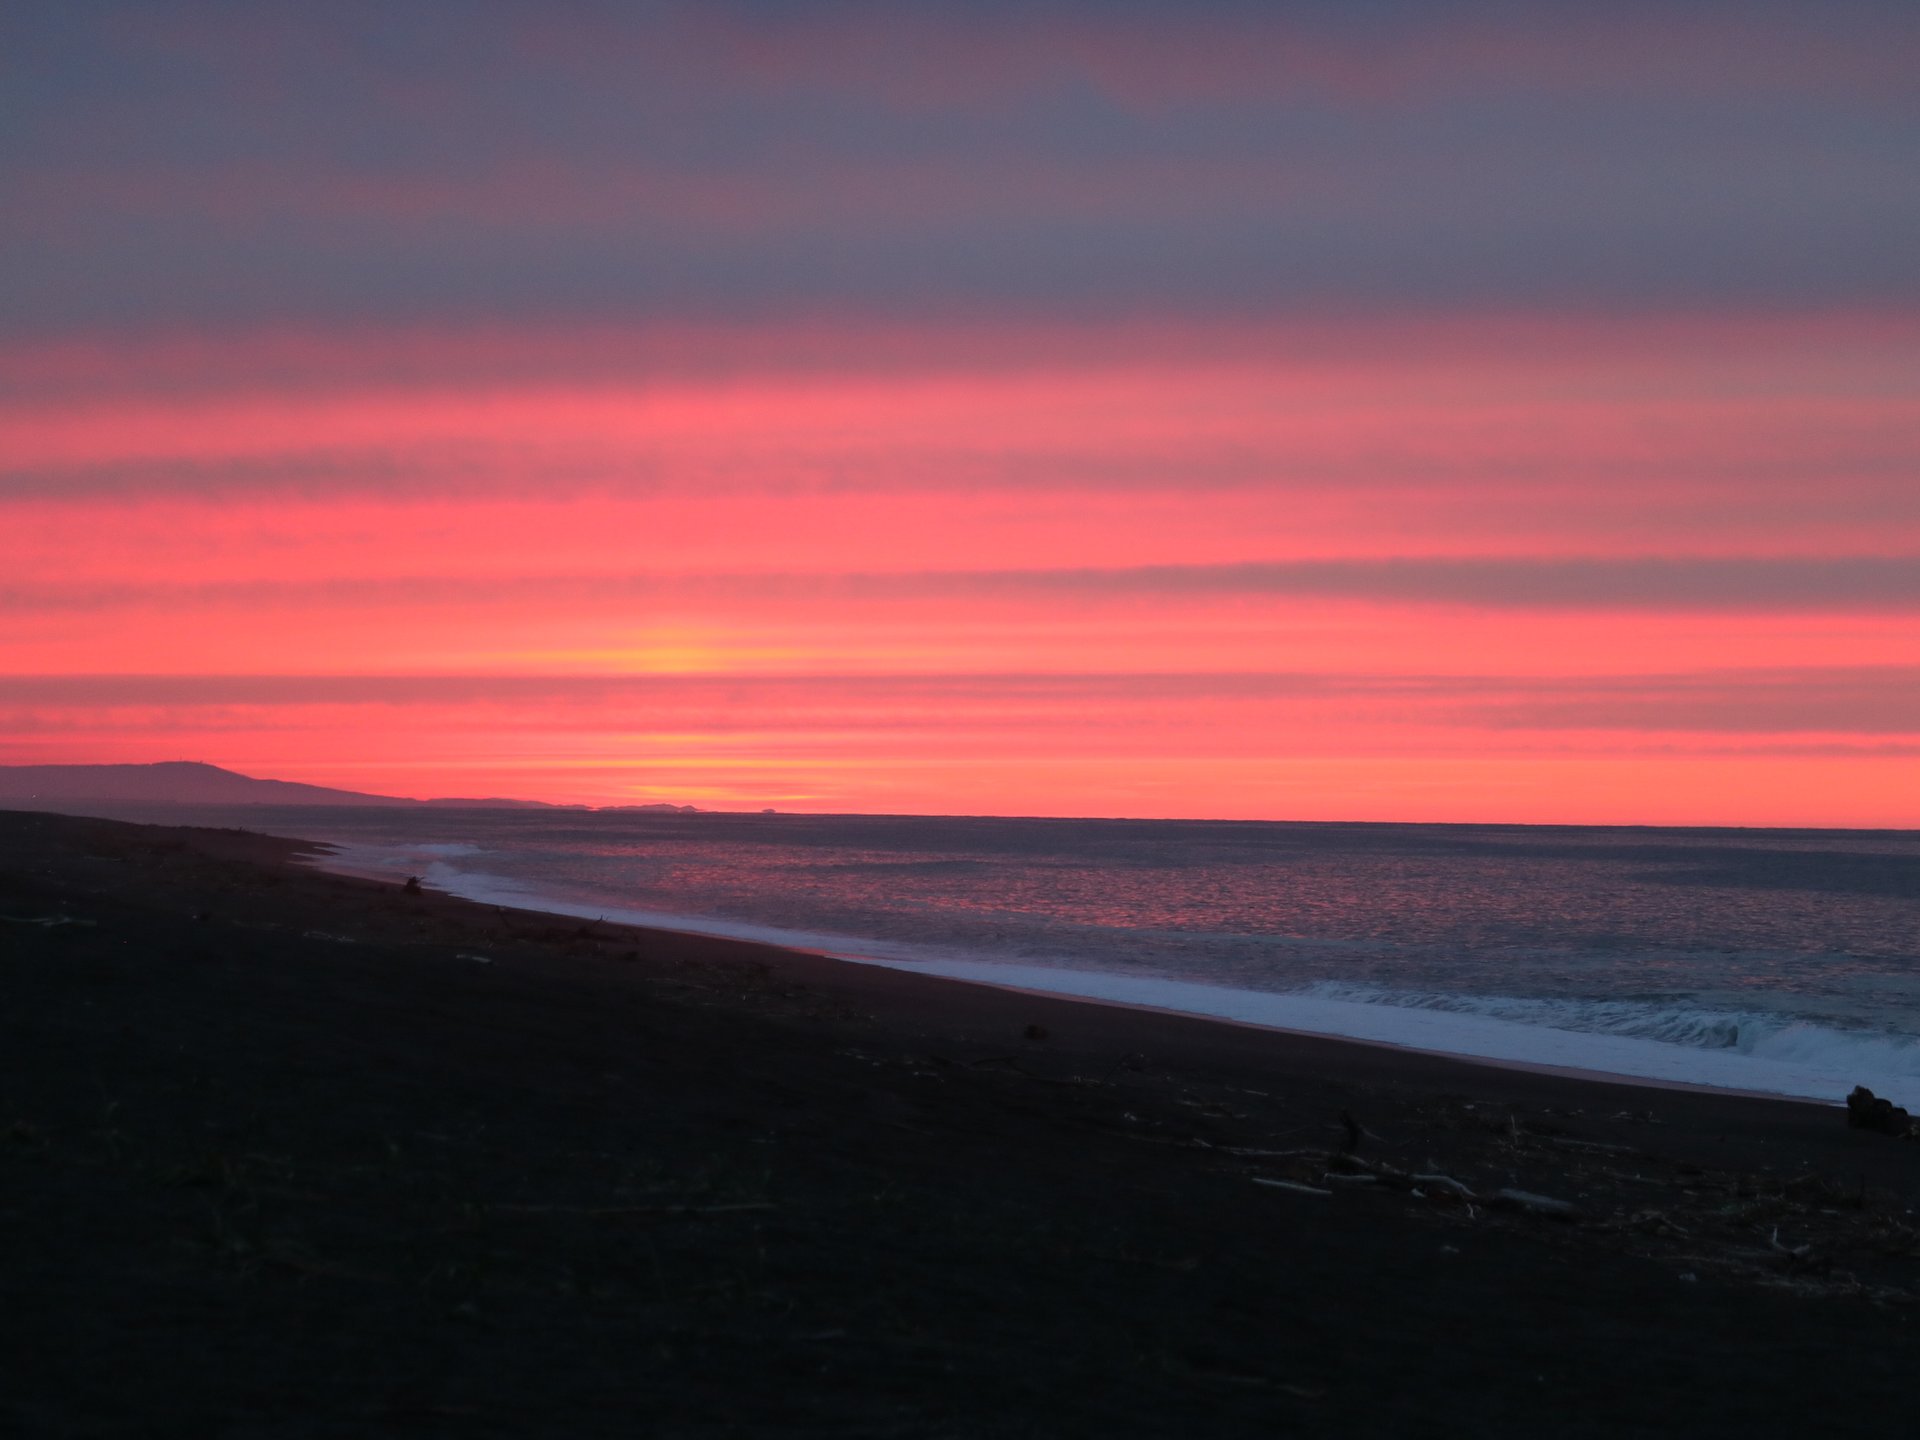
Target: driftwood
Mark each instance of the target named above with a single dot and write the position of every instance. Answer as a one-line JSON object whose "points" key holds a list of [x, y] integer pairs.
{"points": [[1354, 1132], [1595, 1147], [1794, 1252], [615, 1212], [1445, 1183], [1533, 1204], [1293, 1185], [1656, 1222]]}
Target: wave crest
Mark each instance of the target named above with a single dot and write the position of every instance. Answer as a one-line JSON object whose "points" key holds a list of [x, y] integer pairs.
{"points": [[1759, 1034]]}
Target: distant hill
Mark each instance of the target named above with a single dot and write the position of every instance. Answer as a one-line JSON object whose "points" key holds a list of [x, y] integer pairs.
{"points": [[491, 802], [182, 782]]}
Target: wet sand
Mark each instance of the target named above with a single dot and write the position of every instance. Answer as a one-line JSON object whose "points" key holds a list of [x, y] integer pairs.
{"points": [[291, 1154]]}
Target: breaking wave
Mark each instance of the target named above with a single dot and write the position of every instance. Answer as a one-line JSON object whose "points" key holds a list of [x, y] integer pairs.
{"points": [[1762, 1035]]}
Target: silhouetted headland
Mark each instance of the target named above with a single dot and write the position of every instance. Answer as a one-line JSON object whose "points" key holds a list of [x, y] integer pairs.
{"points": [[68, 789]]}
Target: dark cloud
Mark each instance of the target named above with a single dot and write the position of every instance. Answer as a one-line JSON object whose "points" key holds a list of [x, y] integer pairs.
{"points": [[1659, 584], [1656, 583], [214, 164]]}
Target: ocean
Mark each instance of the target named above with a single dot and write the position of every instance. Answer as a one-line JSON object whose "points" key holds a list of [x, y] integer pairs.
{"points": [[1780, 961]]}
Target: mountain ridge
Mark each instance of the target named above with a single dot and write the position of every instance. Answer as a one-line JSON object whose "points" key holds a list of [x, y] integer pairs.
{"points": [[194, 782]]}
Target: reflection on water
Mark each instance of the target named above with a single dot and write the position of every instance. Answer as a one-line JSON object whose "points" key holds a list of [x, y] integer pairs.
{"points": [[1828, 919]]}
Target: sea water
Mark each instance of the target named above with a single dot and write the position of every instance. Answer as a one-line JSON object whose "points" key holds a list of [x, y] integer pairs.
{"points": [[1785, 962]]}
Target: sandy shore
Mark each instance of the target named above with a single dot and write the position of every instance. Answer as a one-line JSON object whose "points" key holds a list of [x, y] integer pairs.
{"points": [[294, 1154]]}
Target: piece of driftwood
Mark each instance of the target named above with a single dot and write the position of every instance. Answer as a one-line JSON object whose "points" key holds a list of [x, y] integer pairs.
{"points": [[1794, 1252], [1293, 1185], [1354, 1132], [615, 1212], [1596, 1147], [1657, 1222], [1533, 1204], [1446, 1183]]}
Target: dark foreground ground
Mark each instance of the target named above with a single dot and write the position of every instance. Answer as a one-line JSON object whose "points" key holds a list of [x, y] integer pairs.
{"points": [[281, 1156]]}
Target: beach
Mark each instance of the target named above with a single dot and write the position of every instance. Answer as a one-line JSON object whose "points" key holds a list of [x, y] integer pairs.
{"points": [[291, 1153]]}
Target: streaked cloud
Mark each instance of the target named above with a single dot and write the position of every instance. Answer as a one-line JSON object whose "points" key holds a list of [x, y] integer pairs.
{"points": [[1877, 700]]}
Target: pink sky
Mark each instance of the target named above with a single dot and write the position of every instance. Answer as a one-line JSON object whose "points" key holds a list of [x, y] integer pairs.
{"points": [[1572, 579]]}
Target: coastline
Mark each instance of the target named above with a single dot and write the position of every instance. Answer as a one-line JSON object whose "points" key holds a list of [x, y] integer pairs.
{"points": [[664, 925], [267, 1120], [1439, 1032]]}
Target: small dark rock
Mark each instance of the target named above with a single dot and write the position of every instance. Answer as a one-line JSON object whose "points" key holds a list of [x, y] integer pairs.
{"points": [[1868, 1111], [412, 887], [1035, 1032]]}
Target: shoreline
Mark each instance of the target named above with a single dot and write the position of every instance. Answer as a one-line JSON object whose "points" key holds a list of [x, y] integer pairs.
{"points": [[1570, 1072], [1565, 1072], [1515, 1036], [308, 1154]]}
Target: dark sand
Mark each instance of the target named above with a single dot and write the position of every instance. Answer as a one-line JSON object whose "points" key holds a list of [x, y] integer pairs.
{"points": [[277, 1158]]}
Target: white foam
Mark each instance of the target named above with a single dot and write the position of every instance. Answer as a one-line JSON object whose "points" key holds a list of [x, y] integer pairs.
{"points": [[1756, 1034], [1803, 1061]]}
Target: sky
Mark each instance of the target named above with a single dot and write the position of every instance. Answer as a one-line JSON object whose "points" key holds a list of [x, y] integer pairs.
{"points": [[1361, 411]]}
